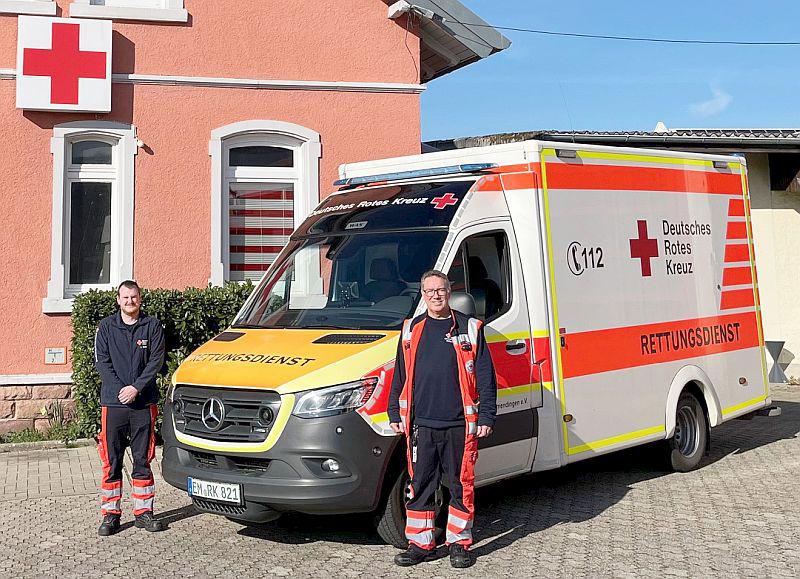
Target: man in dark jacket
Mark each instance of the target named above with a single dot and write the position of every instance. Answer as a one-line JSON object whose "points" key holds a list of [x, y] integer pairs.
{"points": [[443, 398], [129, 352]]}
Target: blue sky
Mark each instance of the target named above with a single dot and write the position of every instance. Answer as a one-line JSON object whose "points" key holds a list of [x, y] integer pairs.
{"points": [[545, 82]]}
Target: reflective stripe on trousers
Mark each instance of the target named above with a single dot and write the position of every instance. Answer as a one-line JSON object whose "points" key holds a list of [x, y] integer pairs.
{"points": [[419, 529], [143, 496], [111, 496], [459, 527]]}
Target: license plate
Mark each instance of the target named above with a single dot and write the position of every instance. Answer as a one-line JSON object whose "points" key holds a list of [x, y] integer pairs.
{"points": [[224, 492]]}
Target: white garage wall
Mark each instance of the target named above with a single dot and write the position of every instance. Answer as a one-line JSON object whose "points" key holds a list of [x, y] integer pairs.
{"points": [[776, 232]]}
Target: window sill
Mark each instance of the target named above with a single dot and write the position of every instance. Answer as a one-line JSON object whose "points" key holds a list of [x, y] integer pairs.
{"points": [[44, 7], [57, 305], [81, 10]]}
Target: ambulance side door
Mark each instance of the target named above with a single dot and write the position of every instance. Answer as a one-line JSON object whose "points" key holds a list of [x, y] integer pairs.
{"points": [[487, 266]]}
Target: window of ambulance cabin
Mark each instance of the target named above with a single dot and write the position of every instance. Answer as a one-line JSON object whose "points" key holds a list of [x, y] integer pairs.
{"points": [[481, 269], [92, 243], [260, 208]]}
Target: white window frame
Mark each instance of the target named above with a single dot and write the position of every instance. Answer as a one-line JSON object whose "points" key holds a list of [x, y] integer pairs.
{"points": [[43, 7], [304, 176], [153, 10], [122, 137]]}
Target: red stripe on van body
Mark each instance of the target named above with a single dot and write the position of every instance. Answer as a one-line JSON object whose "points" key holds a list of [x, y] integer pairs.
{"points": [[737, 276], [737, 230], [736, 253], [736, 208], [511, 370], [627, 178], [588, 353], [741, 298]]}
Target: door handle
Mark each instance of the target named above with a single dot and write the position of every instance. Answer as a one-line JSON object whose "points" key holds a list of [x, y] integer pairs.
{"points": [[516, 347]]}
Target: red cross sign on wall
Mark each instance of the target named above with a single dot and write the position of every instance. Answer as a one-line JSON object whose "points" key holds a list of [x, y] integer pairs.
{"points": [[64, 64]]}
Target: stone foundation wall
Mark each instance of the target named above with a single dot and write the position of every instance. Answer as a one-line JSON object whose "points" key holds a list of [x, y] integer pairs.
{"points": [[21, 406]]}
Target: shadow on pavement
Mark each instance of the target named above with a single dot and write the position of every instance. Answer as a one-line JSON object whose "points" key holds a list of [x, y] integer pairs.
{"points": [[168, 517], [300, 529], [513, 509]]}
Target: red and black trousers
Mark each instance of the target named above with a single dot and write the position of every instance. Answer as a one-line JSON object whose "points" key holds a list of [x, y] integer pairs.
{"points": [[441, 455], [123, 427]]}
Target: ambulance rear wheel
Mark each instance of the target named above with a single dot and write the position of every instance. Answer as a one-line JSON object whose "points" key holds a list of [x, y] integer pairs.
{"points": [[687, 445]]}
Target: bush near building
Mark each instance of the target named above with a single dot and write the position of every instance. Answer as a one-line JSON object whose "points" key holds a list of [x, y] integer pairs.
{"points": [[189, 318]]}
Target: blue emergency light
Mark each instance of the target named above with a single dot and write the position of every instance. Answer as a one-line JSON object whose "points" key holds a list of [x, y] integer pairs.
{"points": [[417, 173]]}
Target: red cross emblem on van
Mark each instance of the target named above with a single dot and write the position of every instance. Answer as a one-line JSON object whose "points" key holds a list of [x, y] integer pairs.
{"points": [[444, 201], [63, 64], [644, 248]]}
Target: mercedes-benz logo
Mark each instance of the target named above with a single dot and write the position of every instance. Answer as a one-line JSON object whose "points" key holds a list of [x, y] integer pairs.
{"points": [[213, 414]]}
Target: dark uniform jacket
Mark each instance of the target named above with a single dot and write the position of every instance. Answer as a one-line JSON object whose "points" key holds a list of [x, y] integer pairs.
{"points": [[129, 355], [436, 377]]}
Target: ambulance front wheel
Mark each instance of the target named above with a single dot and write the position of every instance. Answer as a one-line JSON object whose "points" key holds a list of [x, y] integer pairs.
{"points": [[390, 522], [687, 445]]}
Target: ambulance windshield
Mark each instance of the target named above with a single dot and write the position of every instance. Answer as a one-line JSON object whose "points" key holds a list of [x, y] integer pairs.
{"points": [[353, 281], [356, 261]]}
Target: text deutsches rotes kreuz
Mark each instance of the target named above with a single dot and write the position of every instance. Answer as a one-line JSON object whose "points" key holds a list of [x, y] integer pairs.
{"points": [[677, 250]]}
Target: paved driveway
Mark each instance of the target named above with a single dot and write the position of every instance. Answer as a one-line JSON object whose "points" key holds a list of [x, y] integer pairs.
{"points": [[621, 515]]}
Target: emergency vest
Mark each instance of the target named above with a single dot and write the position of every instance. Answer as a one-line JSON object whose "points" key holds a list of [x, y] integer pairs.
{"points": [[466, 345]]}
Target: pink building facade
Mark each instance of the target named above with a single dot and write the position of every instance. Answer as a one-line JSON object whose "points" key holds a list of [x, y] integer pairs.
{"points": [[228, 122]]}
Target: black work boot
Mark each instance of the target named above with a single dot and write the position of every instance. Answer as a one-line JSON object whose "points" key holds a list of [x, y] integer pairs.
{"points": [[460, 558], [410, 557], [109, 526], [147, 522]]}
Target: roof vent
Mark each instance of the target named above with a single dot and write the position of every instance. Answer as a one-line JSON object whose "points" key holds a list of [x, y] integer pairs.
{"points": [[349, 338]]}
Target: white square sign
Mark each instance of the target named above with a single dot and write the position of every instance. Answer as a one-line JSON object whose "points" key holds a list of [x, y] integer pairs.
{"points": [[63, 64]]}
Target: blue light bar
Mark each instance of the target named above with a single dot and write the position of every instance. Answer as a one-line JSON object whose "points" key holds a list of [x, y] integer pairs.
{"points": [[417, 173]]}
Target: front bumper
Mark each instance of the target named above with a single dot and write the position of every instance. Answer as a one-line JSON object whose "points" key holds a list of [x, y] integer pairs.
{"points": [[289, 477]]}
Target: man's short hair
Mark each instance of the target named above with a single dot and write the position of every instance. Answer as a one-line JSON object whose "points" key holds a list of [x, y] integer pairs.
{"points": [[129, 284], [434, 273]]}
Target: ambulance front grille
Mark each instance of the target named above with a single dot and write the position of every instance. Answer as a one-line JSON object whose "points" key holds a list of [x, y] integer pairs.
{"points": [[248, 415]]}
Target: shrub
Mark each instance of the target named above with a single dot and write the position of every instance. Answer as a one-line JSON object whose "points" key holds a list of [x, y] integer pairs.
{"points": [[189, 318]]}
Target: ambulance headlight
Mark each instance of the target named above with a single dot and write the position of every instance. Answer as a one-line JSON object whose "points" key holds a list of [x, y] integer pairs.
{"points": [[334, 400]]}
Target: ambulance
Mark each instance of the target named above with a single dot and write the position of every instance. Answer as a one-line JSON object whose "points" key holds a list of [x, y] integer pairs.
{"points": [[619, 294]]}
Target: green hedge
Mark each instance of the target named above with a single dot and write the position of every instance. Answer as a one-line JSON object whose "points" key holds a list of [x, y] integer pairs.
{"points": [[189, 318]]}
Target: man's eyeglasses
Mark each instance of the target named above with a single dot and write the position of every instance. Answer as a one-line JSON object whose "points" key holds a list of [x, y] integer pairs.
{"points": [[442, 291]]}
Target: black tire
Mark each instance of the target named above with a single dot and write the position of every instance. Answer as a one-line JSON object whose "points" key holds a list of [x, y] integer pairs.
{"points": [[688, 444], [390, 522]]}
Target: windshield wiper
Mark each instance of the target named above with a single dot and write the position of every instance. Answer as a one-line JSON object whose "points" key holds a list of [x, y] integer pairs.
{"points": [[323, 328], [249, 326]]}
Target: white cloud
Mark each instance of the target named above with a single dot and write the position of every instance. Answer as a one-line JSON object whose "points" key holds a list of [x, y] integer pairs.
{"points": [[715, 105]]}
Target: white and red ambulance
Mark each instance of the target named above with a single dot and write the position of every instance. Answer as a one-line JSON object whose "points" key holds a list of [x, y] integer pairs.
{"points": [[619, 291]]}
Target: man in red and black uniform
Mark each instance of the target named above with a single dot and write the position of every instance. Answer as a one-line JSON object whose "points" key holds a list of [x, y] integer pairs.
{"points": [[443, 398], [129, 352]]}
